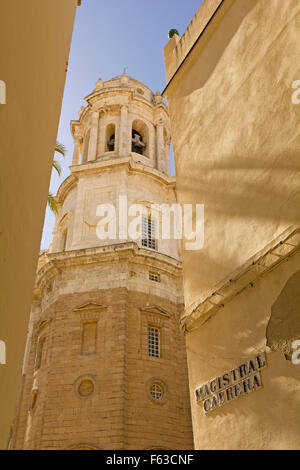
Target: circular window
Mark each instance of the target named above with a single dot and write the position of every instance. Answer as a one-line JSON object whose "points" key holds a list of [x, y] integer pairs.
{"points": [[157, 390], [84, 386]]}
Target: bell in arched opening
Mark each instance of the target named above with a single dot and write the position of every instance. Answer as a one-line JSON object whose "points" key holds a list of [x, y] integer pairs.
{"points": [[137, 144], [111, 143]]}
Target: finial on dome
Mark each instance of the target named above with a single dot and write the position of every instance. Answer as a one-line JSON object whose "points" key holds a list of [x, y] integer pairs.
{"points": [[124, 77], [157, 97], [99, 84]]}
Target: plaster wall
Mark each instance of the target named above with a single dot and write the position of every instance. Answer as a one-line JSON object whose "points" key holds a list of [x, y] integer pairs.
{"points": [[267, 418], [34, 70], [235, 133]]}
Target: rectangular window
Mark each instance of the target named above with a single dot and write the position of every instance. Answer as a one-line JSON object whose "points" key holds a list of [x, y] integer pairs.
{"points": [[154, 277], [153, 342], [148, 233], [88, 343]]}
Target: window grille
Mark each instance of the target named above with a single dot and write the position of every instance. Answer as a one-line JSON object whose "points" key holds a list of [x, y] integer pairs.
{"points": [[154, 277], [156, 392], [153, 342], [148, 233]]}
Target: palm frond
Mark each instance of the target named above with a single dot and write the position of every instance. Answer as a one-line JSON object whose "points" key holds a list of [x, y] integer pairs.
{"points": [[56, 166], [60, 148], [52, 203]]}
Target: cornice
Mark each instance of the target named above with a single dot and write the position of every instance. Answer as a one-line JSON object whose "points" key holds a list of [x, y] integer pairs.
{"points": [[66, 187], [96, 166], [128, 251], [155, 310], [279, 250]]}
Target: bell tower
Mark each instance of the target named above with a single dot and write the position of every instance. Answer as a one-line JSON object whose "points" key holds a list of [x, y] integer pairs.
{"points": [[105, 362]]}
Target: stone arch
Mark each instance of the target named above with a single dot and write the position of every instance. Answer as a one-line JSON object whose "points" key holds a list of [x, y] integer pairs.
{"points": [[140, 144], [110, 137]]}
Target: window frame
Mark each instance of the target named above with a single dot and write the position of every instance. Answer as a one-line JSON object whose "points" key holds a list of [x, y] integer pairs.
{"points": [[153, 346], [148, 232], [153, 276]]}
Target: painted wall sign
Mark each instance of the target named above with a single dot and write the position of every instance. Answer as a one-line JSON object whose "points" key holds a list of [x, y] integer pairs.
{"points": [[237, 382]]}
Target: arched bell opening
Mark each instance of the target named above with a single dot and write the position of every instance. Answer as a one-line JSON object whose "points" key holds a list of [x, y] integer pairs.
{"points": [[110, 138], [139, 138]]}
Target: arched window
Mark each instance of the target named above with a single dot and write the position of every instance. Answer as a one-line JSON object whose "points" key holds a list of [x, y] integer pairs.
{"points": [[110, 138], [139, 137]]}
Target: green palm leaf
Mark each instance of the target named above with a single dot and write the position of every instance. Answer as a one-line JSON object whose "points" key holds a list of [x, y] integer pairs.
{"points": [[52, 203], [56, 166], [60, 148]]}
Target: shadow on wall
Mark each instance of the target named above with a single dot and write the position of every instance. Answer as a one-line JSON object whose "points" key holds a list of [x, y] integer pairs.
{"points": [[279, 399], [284, 324], [222, 37], [238, 136]]}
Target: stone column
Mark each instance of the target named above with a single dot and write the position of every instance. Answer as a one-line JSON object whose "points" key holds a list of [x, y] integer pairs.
{"points": [[167, 159], [92, 152], [76, 152], [123, 137], [160, 147]]}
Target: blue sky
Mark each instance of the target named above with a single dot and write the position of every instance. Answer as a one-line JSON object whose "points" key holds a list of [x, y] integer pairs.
{"points": [[107, 37]]}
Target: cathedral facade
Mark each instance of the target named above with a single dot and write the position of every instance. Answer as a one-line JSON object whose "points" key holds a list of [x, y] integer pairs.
{"points": [[105, 362]]}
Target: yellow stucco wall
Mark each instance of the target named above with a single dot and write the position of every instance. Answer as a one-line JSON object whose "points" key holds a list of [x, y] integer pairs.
{"points": [[235, 133], [267, 418], [35, 40]]}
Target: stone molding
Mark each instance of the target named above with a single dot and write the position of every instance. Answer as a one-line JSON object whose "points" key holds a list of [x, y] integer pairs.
{"points": [[154, 310], [97, 166], [90, 311], [129, 251]]}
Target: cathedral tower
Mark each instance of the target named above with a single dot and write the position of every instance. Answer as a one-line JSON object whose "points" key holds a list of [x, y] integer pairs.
{"points": [[105, 363]]}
